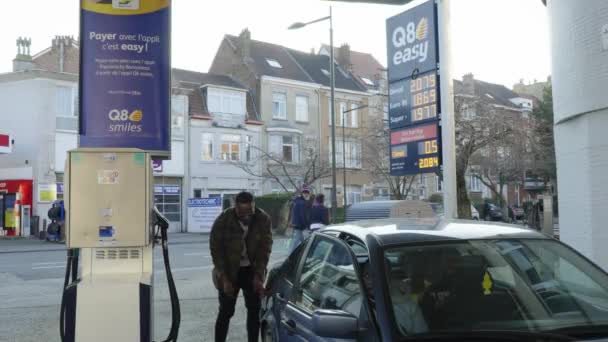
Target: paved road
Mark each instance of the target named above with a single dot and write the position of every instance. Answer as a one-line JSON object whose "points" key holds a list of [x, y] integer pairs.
{"points": [[30, 291]]}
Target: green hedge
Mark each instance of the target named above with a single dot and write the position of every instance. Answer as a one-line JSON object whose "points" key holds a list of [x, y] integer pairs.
{"points": [[340, 213], [277, 206]]}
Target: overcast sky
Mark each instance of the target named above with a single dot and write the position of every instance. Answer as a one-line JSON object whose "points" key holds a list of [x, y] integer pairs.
{"points": [[499, 41]]}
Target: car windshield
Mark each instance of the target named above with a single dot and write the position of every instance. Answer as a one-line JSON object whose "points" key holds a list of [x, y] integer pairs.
{"points": [[515, 284]]}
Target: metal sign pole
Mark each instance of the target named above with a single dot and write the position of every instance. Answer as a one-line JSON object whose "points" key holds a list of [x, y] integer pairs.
{"points": [[448, 129]]}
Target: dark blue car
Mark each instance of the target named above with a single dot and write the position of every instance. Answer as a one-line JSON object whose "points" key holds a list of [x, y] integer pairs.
{"points": [[400, 279]]}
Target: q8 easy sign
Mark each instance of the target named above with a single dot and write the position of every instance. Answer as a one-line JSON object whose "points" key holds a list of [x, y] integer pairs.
{"points": [[411, 41], [414, 91]]}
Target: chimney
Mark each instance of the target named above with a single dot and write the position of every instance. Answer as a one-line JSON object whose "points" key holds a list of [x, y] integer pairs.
{"points": [[343, 57], [59, 47], [23, 61], [244, 45], [468, 83]]}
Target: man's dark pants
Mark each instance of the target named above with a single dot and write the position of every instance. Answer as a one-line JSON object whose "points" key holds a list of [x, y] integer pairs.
{"points": [[227, 304]]}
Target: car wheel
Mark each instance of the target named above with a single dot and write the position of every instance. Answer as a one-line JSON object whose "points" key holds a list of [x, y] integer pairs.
{"points": [[267, 334]]}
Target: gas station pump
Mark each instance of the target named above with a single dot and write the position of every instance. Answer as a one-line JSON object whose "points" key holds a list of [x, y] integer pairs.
{"points": [[111, 229]]}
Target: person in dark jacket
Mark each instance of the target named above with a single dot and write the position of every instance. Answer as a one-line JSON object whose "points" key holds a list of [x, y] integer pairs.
{"points": [[240, 244], [300, 217], [319, 214]]}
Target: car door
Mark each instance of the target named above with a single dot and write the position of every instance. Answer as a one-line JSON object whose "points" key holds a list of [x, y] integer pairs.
{"points": [[327, 280]]}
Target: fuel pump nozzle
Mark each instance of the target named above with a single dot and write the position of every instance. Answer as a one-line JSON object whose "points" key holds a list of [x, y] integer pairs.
{"points": [[162, 223]]}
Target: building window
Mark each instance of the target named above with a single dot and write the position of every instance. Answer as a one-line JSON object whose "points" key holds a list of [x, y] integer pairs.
{"points": [[329, 115], [474, 184], [178, 112], [198, 193], [279, 106], [274, 63], [285, 147], [226, 101], [167, 198], [367, 81], [65, 101], [288, 149], [468, 112], [341, 114], [354, 115], [302, 108], [248, 148], [206, 146], [353, 154], [353, 194], [230, 148]]}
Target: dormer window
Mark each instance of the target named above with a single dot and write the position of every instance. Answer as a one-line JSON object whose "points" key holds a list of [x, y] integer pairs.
{"points": [[274, 63]]}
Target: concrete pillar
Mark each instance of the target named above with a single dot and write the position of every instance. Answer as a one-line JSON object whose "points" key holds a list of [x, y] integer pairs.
{"points": [[580, 100]]}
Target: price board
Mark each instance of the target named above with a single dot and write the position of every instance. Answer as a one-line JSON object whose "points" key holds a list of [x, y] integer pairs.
{"points": [[415, 149], [414, 100], [414, 91]]}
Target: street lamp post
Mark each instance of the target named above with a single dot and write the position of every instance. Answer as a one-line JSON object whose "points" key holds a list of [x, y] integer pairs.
{"points": [[334, 200]]}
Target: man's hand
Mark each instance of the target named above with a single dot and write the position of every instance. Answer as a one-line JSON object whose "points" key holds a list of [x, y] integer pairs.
{"points": [[258, 286], [227, 286]]}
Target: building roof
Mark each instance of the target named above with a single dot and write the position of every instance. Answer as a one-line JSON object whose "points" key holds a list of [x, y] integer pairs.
{"points": [[202, 79], [314, 66], [364, 65], [293, 65], [194, 81], [495, 93], [261, 52]]}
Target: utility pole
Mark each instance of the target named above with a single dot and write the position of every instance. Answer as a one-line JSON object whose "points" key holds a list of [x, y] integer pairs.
{"points": [[448, 136]]}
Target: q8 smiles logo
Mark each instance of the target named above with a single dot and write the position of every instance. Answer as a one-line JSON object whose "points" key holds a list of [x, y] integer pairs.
{"points": [[122, 121], [411, 42]]}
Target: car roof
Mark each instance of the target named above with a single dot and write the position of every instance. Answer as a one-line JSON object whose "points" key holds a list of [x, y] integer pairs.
{"points": [[404, 230]]}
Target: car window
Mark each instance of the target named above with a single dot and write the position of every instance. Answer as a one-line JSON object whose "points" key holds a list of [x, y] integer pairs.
{"points": [[493, 284], [290, 266], [328, 279]]}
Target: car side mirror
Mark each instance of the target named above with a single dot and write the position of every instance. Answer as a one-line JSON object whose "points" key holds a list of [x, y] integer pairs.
{"points": [[336, 324]]}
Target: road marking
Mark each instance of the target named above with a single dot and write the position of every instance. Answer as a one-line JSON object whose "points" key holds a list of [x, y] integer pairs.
{"points": [[48, 263], [196, 268], [198, 253], [49, 266]]}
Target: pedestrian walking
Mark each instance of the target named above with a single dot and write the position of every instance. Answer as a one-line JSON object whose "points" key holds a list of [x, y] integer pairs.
{"points": [[240, 244], [319, 214], [300, 217]]}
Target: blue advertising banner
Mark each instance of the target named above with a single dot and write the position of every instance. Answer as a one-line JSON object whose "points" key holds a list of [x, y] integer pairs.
{"points": [[125, 75], [412, 42]]}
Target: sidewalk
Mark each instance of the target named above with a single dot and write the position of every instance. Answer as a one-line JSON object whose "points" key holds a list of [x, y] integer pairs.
{"points": [[20, 245]]}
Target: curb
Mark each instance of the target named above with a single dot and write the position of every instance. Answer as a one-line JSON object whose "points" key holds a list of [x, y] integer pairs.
{"points": [[62, 247]]}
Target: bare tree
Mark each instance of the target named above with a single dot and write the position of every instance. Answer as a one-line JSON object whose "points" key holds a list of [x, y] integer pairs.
{"points": [[479, 126], [376, 157], [290, 175]]}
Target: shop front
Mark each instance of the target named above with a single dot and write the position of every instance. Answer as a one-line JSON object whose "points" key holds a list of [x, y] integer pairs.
{"points": [[15, 206], [168, 200]]}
